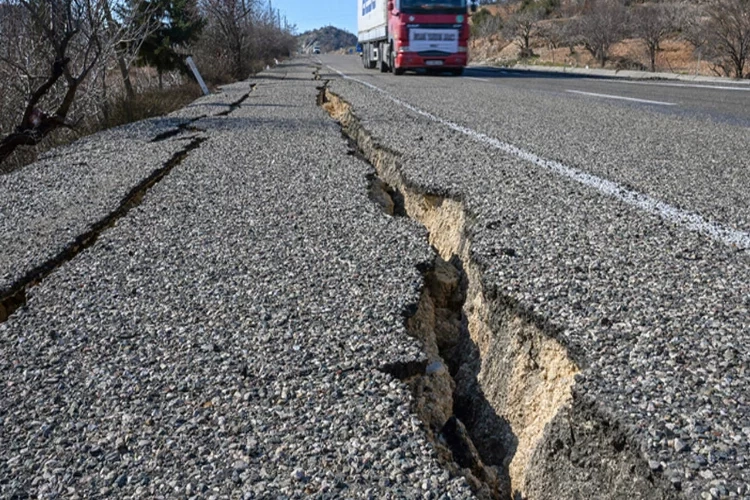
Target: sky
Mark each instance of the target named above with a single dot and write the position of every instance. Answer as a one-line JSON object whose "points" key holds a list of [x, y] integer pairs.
{"points": [[313, 14]]}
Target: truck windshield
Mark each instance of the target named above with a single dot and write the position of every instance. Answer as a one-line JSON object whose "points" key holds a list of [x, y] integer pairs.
{"points": [[433, 5]]}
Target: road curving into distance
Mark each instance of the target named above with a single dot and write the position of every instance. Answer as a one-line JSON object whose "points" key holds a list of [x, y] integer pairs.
{"points": [[488, 288]]}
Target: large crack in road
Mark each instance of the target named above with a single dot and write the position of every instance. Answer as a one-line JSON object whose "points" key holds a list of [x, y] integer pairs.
{"points": [[236, 104], [494, 377], [14, 297]]}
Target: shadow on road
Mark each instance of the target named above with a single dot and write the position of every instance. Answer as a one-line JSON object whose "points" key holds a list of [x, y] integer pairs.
{"points": [[503, 73]]}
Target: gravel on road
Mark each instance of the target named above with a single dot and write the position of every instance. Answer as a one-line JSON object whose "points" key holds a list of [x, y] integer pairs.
{"points": [[49, 208], [238, 330], [656, 316], [227, 337]]}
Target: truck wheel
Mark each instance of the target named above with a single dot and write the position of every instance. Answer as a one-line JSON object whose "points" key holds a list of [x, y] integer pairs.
{"points": [[382, 65], [369, 63], [382, 58], [398, 71]]}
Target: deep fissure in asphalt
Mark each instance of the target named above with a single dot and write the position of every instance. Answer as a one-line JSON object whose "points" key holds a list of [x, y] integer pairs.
{"points": [[442, 402], [493, 379], [390, 200], [14, 297], [439, 323]]}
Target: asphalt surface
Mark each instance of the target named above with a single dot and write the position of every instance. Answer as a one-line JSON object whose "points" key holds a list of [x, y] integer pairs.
{"points": [[46, 206], [694, 163], [654, 305], [726, 101], [226, 337]]}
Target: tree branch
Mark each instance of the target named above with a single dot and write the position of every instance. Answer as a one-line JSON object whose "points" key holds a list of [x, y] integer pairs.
{"points": [[57, 71]]}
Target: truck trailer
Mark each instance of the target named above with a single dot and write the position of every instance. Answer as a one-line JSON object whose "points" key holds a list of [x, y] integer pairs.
{"points": [[401, 35]]}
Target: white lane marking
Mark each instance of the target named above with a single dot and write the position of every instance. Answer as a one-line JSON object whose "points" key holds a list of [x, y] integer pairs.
{"points": [[666, 84], [621, 98], [652, 206], [477, 79]]}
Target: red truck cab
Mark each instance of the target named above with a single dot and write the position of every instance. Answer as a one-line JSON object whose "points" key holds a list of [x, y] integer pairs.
{"points": [[401, 35]]}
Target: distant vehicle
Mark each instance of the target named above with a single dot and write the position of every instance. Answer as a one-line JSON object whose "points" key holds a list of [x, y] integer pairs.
{"points": [[399, 35], [316, 50]]}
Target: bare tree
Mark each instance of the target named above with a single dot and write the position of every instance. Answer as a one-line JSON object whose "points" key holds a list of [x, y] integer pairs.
{"points": [[72, 38], [726, 36], [522, 26], [240, 37], [554, 33], [19, 68], [231, 22], [652, 23], [272, 39], [484, 24], [601, 25]]}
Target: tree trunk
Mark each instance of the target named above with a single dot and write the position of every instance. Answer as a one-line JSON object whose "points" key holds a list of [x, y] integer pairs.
{"points": [[105, 99], [652, 56], [129, 92], [35, 125]]}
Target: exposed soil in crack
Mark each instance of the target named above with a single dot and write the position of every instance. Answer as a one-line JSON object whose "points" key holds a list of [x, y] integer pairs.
{"points": [[493, 379], [388, 198], [15, 297], [497, 394]]}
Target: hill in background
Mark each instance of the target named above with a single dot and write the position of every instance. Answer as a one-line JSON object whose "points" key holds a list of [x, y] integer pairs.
{"points": [[689, 37], [328, 38]]}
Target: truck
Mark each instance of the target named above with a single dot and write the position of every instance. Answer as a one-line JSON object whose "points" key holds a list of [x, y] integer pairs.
{"points": [[400, 35]]}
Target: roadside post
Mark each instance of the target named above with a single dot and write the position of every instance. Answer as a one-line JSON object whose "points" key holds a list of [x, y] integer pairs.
{"points": [[197, 75]]}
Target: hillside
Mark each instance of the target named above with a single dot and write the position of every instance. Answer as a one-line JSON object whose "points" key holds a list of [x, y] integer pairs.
{"points": [[328, 38], [565, 33]]}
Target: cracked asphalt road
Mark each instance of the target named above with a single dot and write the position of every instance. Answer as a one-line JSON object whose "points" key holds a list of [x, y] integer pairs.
{"points": [[655, 311], [225, 337]]}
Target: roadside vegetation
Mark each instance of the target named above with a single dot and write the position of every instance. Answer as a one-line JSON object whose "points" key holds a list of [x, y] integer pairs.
{"points": [[706, 37], [72, 67]]}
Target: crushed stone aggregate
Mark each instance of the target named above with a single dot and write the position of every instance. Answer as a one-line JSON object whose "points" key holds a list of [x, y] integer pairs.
{"points": [[224, 339], [657, 316]]}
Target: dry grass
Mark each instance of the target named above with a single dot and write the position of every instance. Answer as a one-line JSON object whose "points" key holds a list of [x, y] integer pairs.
{"points": [[148, 104], [676, 56]]}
